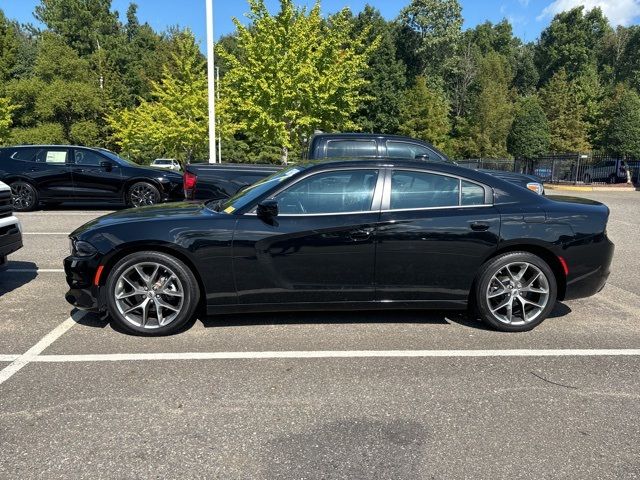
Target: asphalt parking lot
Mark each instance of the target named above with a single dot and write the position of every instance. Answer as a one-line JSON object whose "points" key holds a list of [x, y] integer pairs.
{"points": [[319, 395]]}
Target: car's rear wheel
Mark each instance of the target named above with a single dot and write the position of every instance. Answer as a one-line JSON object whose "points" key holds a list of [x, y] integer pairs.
{"points": [[24, 196], [151, 293], [515, 292], [141, 194]]}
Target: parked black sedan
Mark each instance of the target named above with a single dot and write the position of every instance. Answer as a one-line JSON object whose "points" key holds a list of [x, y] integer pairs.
{"points": [[345, 235], [57, 174]]}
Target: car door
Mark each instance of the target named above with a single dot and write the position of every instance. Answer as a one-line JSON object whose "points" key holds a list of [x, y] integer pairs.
{"points": [[434, 232], [95, 176], [319, 248], [51, 173]]}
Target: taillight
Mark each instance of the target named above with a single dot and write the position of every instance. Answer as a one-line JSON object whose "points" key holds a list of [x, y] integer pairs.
{"points": [[189, 181]]}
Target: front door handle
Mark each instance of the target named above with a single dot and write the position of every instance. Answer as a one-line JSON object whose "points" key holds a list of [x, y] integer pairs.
{"points": [[479, 226], [361, 235]]}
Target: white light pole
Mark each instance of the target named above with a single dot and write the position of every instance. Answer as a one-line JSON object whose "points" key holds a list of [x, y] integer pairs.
{"points": [[218, 98], [211, 83]]}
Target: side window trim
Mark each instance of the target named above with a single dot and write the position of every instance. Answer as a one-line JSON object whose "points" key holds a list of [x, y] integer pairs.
{"points": [[376, 203], [386, 198]]}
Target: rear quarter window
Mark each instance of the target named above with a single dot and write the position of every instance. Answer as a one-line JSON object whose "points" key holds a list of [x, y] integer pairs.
{"points": [[22, 154]]}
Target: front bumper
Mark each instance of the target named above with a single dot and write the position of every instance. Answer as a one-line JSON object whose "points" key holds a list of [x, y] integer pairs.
{"points": [[10, 237], [80, 274]]}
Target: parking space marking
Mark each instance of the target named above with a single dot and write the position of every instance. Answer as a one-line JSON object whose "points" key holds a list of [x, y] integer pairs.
{"points": [[45, 233], [23, 360], [133, 357], [35, 270], [8, 358]]}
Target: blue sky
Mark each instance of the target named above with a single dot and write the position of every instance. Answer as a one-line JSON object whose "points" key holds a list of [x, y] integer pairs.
{"points": [[528, 17]]}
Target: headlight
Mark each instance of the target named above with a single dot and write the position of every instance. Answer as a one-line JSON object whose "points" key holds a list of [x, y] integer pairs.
{"points": [[536, 187], [80, 248]]}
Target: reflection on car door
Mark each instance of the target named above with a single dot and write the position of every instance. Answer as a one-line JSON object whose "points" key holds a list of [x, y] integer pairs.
{"points": [[435, 230], [92, 179], [320, 248], [51, 173]]}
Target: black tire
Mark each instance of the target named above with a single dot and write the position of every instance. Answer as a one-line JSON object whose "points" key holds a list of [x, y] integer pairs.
{"points": [[187, 281], [141, 194], [485, 283], [24, 196], [587, 178]]}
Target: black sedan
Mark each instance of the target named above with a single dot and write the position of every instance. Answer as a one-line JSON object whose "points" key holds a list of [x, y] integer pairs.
{"points": [[54, 174], [340, 236]]}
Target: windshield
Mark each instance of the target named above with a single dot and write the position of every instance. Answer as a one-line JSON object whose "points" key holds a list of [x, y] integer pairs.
{"points": [[248, 195]]}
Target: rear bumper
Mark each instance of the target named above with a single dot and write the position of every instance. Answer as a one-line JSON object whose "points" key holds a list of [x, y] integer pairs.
{"points": [[590, 281], [82, 294]]}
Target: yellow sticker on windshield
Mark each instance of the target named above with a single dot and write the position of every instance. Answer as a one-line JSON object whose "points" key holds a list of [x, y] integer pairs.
{"points": [[229, 210]]}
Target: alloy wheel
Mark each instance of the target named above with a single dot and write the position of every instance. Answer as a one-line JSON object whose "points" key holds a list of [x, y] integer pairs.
{"points": [[143, 194], [22, 197], [518, 293], [149, 295]]}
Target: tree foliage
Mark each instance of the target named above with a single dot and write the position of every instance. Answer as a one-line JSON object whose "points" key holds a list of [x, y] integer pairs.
{"points": [[425, 114], [622, 131], [529, 134], [294, 73], [175, 122]]}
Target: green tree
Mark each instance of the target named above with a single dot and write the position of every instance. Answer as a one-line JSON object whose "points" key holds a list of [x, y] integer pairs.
{"points": [[385, 75], [529, 134], [293, 73], [6, 113], [9, 45], [484, 132], [622, 131], [572, 42], [526, 76], [175, 122], [82, 23], [425, 114], [438, 28], [562, 106]]}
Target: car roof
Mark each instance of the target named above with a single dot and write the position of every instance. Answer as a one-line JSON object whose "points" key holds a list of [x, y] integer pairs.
{"points": [[369, 136], [55, 146], [439, 167]]}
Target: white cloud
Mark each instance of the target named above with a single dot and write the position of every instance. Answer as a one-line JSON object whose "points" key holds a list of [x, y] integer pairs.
{"points": [[619, 12]]}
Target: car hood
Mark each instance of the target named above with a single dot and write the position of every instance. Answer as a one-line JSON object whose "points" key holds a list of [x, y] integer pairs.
{"points": [[164, 211]]}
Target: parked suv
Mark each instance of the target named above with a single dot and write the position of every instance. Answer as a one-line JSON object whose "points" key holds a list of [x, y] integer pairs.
{"points": [[168, 163], [10, 229], [55, 174]]}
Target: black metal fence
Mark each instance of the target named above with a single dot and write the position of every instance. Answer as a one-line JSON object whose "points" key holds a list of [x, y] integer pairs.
{"points": [[572, 168]]}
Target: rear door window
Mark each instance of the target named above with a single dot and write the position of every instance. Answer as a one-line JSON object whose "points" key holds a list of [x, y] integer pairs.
{"points": [[24, 154], [352, 148], [53, 156], [412, 190], [411, 151]]}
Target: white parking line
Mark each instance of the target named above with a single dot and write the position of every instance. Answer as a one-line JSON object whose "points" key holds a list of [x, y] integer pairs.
{"points": [[8, 358], [45, 233], [134, 357], [23, 360], [34, 270]]}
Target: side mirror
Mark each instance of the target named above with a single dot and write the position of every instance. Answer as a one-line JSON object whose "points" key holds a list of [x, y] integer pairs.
{"points": [[268, 209], [106, 165]]}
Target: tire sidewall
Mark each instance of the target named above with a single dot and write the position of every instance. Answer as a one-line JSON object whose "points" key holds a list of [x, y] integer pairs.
{"points": [[186, 277], [487, 272]]}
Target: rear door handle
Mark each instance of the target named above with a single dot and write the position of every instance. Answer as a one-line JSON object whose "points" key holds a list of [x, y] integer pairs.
{"points": [[363, 234], [479, 226]]}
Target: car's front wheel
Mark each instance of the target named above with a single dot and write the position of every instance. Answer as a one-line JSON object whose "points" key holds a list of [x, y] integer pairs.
{"points": [[24, 196], [141, 194], [151, 293], [515, 291]]}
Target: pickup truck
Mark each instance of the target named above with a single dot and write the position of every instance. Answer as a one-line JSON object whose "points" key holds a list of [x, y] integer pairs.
{"points": [[217, 181]]}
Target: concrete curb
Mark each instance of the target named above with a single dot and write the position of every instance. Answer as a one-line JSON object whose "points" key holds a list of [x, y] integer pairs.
{"points": [[576, 188]]}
